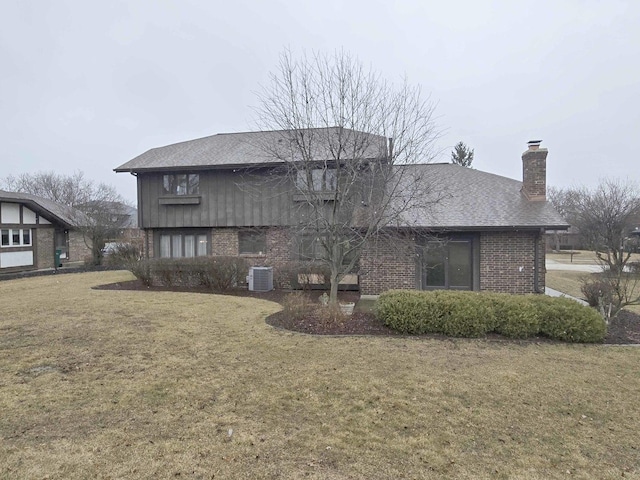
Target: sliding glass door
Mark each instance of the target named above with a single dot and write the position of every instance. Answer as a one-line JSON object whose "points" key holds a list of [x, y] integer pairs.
{"points": [[447, 264]]}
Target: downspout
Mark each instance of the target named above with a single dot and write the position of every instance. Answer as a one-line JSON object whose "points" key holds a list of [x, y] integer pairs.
{"points": [[536, 263]]}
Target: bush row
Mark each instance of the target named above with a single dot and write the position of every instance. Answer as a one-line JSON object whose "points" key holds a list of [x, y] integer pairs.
{"points": [[215, 273], [473, 314]]}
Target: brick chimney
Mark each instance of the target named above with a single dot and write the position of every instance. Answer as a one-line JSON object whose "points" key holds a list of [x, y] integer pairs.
{"points": [[534, 172]]}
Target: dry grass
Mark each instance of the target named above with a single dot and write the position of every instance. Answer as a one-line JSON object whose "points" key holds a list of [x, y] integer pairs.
{"points": [[570, 283], [118, 384], [581, 257], [566, 281]]}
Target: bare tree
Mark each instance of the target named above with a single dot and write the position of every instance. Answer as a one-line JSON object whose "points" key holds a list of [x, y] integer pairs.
{"points": [[96, 208], [462, 155], [565, 201], [346, 139], [71, 190], [605, 216]]}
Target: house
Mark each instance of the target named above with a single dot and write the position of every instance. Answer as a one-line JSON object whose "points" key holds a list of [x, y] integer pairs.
{"points": [[120, 220], [33, 229], [484, 232]]}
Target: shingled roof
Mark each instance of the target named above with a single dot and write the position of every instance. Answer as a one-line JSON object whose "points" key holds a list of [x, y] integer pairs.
{"points": [[471, 199], [52, 211], [254, 148]]}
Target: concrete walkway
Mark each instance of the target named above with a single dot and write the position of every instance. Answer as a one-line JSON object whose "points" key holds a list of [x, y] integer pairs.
{"points": [[572, 267], [555, 293]]}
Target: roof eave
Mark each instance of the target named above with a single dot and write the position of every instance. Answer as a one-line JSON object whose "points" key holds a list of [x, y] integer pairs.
{"points": [[173, 168], [482, 228]]}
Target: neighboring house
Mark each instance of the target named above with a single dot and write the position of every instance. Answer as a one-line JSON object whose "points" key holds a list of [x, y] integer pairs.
{"points": [[201, 197], [33, 228], [564, 239], [121, 218]]}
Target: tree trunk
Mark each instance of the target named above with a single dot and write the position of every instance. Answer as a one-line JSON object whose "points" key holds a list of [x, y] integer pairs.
{"points": [[333, 293]]}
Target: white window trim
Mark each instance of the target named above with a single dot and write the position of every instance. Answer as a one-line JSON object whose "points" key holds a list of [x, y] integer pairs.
{"points": [[20, 235]]}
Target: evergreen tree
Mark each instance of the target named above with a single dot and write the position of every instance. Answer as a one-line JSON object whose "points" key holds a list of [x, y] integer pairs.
{"points": [[462, 155]]}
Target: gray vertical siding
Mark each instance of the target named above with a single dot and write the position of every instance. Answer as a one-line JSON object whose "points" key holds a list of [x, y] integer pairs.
{"points": [[227, 198]]}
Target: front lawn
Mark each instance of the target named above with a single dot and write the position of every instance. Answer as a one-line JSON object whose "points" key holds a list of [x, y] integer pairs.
{"points": [[570, 283], [128, 384]]}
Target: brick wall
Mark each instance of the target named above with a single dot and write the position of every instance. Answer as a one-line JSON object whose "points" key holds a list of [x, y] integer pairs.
{"points": [[147, 244], [44, 247], [507, 262], [387, 264], [390, 263], [278, 252], [224, 241], [534, 173], [78, 249]]}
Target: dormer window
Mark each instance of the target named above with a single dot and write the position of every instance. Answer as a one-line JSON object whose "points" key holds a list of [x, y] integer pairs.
{"points": [[181, 184]]}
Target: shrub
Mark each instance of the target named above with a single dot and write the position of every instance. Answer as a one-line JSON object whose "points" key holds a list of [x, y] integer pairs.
{"points": [[283, 275], [466, 314], [411, 311], [471, 314], [296, 305], [516, 316], [329, 315], [215, 273], [597, 292], [123, 255], [142, 271], [221, 273], [565, 319]]}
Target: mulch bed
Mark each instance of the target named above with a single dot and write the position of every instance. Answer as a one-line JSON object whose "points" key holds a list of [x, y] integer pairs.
{"points": [[625, 329]]}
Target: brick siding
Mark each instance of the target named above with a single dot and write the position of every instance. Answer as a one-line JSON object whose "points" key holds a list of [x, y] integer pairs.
{"points": [[390, 263], [78, 249], [386, 264], [44, 247], [507, 262]]}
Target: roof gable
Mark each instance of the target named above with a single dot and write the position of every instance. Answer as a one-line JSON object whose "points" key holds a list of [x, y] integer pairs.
{"points": [[53, 211]]}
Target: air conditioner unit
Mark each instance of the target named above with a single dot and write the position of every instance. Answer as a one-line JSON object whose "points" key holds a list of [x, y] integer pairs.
{"points": [[260, 279]]}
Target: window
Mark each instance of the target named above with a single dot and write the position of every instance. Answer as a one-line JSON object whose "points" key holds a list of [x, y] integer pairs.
{"points": [[15, 237], [322, 180], [311, 249], [177, 245], [181, 184], [447, 265], [252, 242]]}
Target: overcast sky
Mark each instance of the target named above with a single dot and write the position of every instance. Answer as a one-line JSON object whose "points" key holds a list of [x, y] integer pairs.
{"points": [[88, 85]]}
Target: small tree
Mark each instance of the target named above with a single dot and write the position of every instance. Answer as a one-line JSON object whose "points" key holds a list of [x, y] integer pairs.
{"points": [[605, 216], [95, 208], [462, 155], [345, 139]]}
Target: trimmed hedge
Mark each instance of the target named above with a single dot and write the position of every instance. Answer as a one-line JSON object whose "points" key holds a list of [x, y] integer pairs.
{"points": [[215, 273], [473, 314], [567, 320]]}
